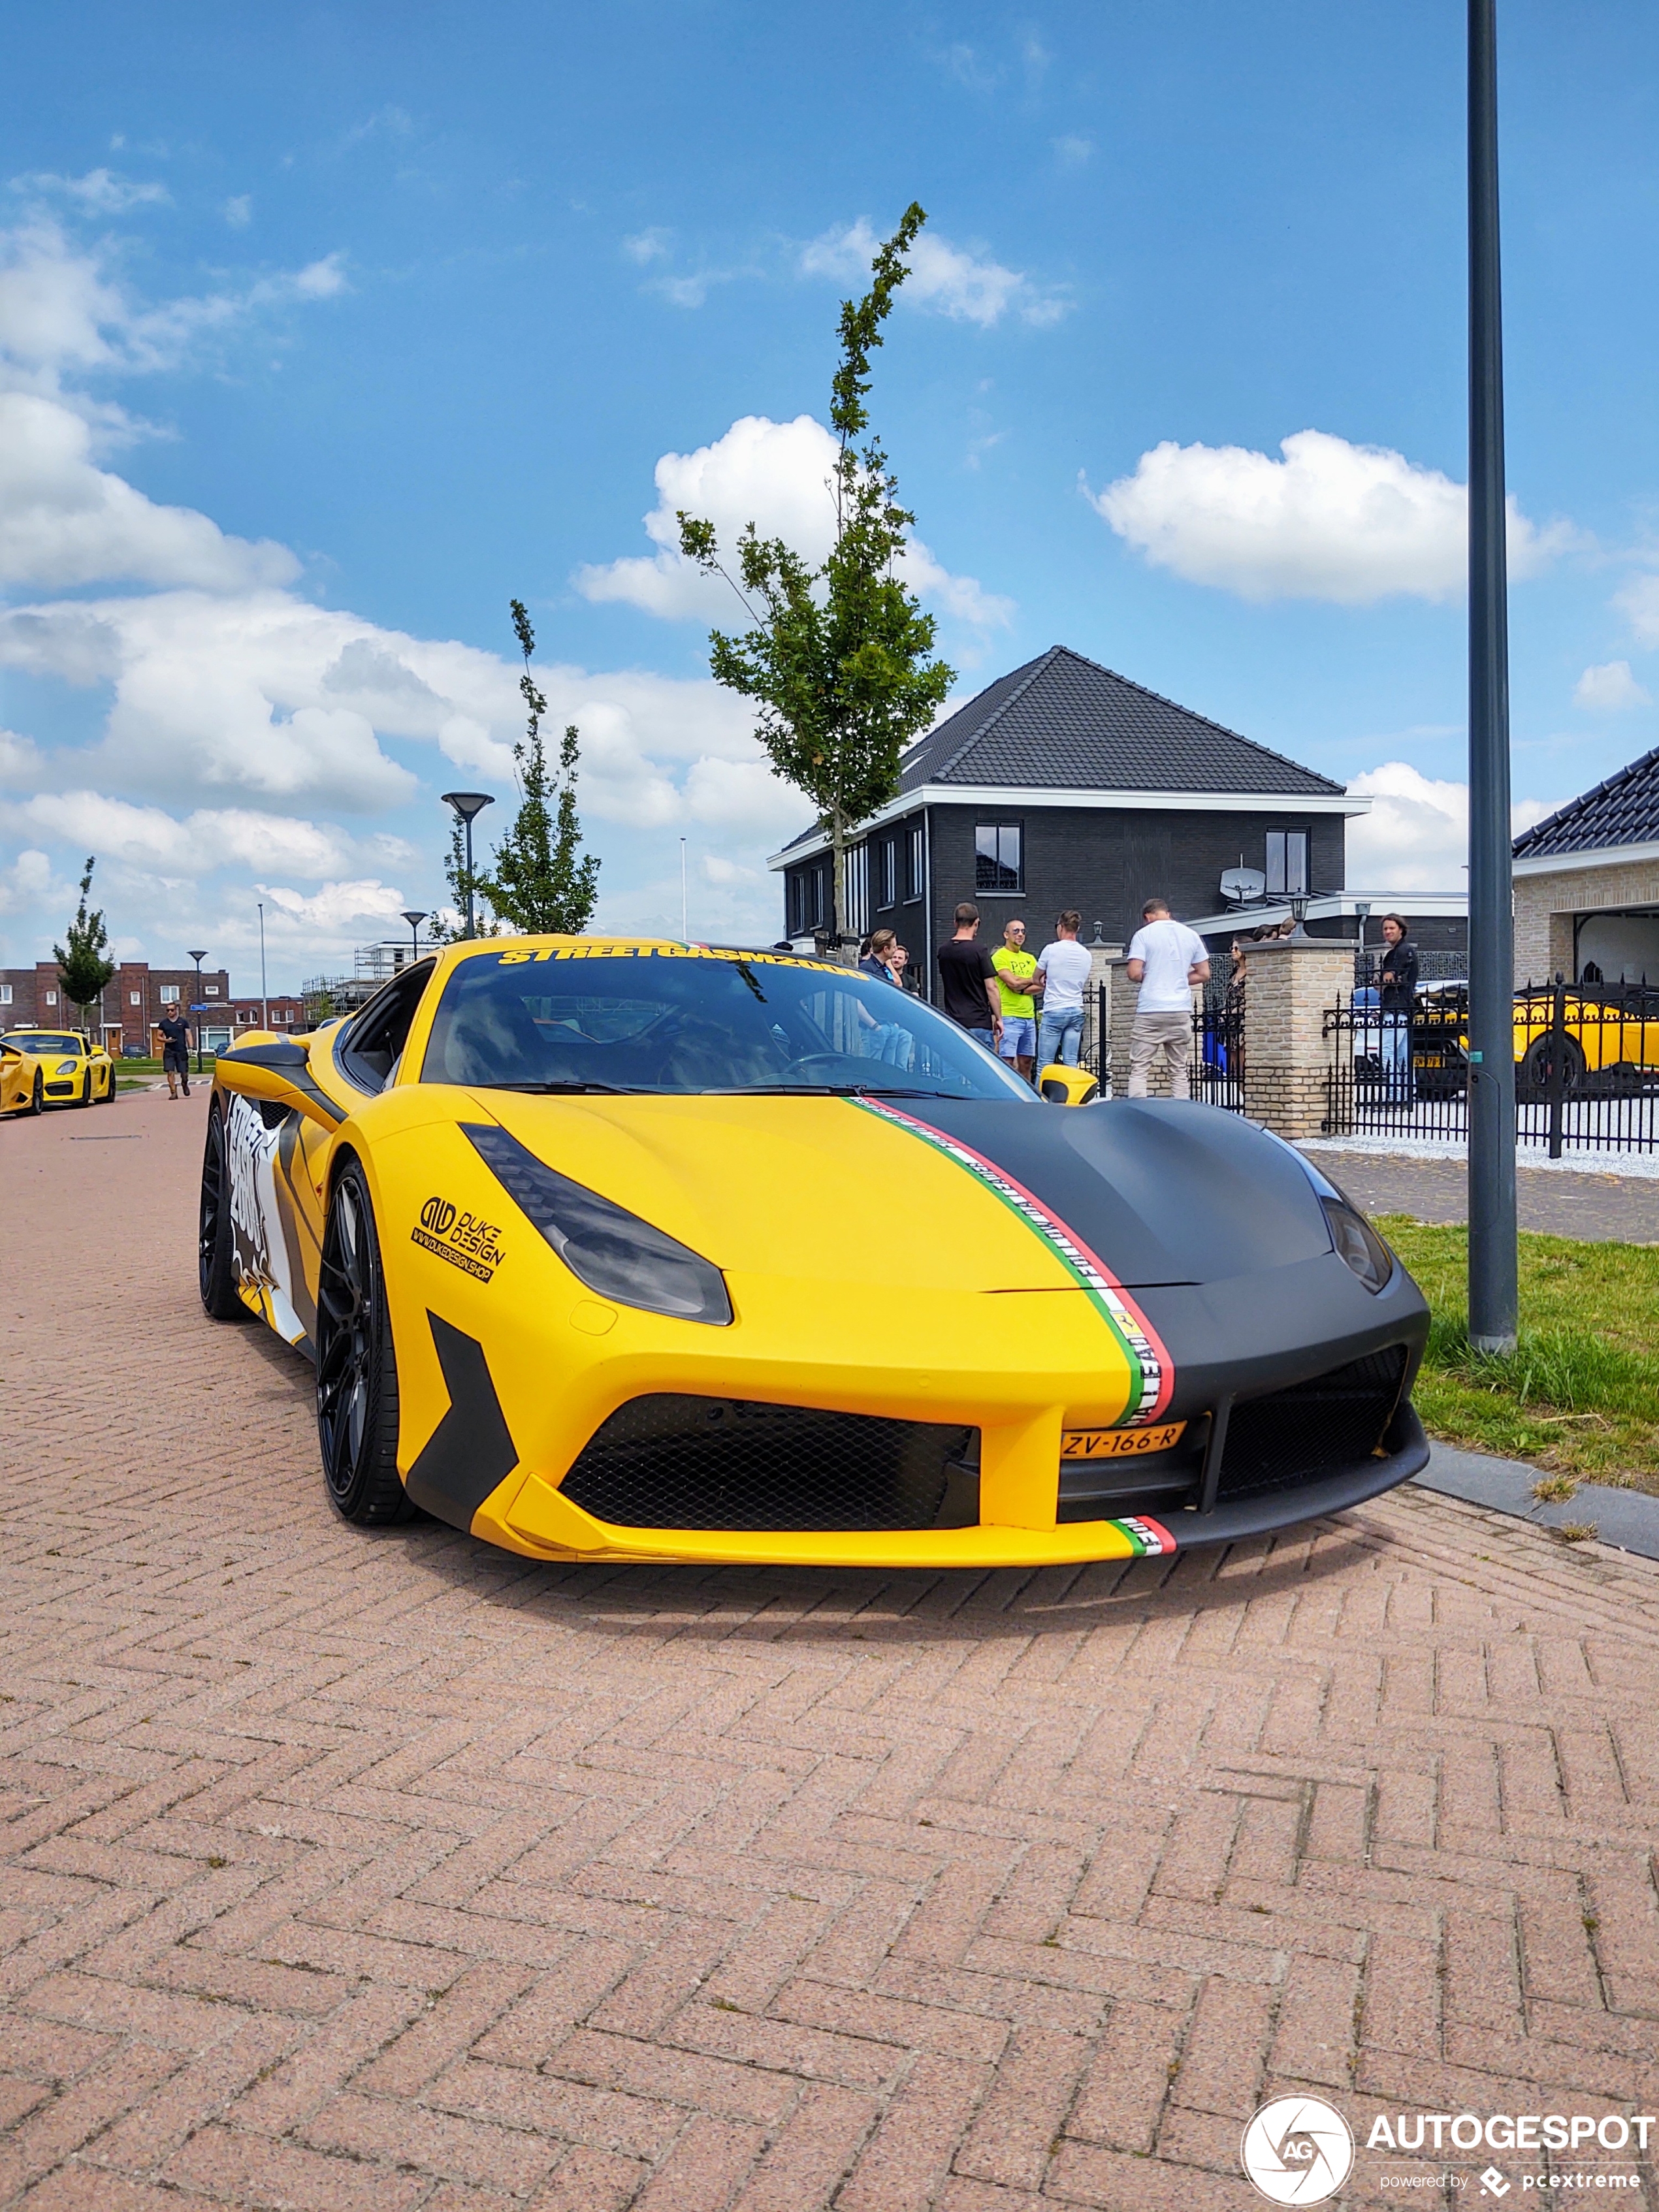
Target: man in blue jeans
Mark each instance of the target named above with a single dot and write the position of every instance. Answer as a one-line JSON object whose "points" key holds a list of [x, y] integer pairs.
{"points": [[968, 982], [1063, 973]]}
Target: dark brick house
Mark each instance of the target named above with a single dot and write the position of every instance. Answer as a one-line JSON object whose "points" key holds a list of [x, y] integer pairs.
{"points": [[1065, 785]]}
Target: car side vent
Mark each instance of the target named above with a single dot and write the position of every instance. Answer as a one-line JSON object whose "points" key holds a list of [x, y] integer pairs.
{"points": [[674, 1461], [1312, 1429]]}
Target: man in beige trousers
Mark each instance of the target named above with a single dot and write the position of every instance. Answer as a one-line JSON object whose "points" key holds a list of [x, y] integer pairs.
{"points": [[1166, 959]]}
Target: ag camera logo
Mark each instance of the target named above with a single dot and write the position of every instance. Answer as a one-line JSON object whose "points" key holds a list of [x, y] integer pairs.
{"points": [[1297, 2150]]}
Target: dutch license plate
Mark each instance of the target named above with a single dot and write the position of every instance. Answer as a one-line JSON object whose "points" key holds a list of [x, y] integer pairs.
{"points": [[1118, 1444]]}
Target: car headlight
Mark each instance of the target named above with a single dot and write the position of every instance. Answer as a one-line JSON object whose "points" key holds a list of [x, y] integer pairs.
{"points": [[611, 1250], [1358, 1243], [67, 1067]]}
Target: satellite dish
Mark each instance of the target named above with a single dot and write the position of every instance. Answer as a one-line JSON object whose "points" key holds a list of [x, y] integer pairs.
{"points": [[1241, 886]]}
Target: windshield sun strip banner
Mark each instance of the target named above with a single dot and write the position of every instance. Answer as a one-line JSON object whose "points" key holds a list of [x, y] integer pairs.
{"points": [[1152, 1371]]}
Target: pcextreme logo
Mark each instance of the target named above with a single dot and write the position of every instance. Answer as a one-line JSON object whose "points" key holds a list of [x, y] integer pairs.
{"points": [[1297, 2150]]}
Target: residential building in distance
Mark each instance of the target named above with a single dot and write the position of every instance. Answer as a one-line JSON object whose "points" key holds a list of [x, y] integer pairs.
{"points": [[1587, 884], [1064, 784], [135, 998]]}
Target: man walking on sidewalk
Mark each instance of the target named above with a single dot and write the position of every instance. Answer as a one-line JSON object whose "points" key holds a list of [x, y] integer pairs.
{"points": [[1166, 959], [175, 1050]]}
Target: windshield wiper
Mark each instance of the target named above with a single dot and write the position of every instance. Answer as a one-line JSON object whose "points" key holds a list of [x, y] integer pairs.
{"points": [[823, 1090], [614, 1090]]}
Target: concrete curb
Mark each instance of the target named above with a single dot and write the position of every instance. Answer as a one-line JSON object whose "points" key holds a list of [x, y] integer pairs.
{"points": [[1628, 1520]]}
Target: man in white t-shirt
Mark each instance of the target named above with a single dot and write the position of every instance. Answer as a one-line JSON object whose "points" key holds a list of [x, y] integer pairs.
{"points": [[1166, 959], [1063, 970]]}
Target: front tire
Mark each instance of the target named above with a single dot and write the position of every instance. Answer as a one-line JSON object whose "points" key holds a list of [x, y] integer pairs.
{"points": [[216, 1257], [357, 1364], [37, 1097]]}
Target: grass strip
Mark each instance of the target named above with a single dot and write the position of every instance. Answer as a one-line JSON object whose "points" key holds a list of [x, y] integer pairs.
{"points": [[1580, 1394]]}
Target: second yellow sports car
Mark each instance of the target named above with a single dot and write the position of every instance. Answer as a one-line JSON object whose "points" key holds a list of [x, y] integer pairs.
{"points": [[69, 1069], [609, 1249]]}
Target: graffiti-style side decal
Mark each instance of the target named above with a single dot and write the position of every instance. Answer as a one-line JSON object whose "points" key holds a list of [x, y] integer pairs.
{"points": [[1151, 1375]]}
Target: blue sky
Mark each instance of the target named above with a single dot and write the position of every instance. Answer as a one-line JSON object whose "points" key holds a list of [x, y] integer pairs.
{"points": [[324, 332]]}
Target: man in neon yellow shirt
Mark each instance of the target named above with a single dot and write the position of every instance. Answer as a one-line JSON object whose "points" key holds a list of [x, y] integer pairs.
{"points": [[1015, 967]]}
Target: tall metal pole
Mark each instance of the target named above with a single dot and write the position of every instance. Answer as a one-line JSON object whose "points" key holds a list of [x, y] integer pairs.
{"points": [[265, 994], [1493, 1293], [685, 931], [469, 875]]}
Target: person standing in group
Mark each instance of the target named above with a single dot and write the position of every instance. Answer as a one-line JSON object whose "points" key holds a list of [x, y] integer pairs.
{"points": [[1397, 998], [1062, 972], [1015, 969], [900, 959], [877, 960], [968, 987], [1166, 959], [175, 1049]]}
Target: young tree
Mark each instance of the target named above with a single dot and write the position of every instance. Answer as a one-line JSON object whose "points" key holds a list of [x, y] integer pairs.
{"points": [[82, 969], [542, 884], [840, 658]]}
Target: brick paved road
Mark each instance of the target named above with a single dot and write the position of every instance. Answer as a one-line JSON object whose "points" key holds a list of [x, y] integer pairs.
{"points": [[1562, 1202], [344, 1870]]}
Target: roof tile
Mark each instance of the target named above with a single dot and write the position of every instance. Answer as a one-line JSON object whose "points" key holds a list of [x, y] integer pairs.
{"points": [[1623, 810]]}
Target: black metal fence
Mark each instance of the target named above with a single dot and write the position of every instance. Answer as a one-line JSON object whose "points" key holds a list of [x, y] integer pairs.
{"points": [[1586, 1066], [1218, 1062]]}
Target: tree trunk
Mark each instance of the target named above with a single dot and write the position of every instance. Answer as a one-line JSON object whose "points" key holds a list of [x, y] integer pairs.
{"points": [[837, 880]]}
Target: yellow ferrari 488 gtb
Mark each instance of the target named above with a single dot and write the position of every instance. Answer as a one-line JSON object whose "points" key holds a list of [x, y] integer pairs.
{"points": [[614, 1249], [67, 1070]]}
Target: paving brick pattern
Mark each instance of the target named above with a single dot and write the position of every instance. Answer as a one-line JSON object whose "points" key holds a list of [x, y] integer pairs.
{"points": [[387, 1871], [1561, 1202]]}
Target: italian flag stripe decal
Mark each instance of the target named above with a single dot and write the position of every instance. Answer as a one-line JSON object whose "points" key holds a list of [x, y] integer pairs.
{"points": [[1151, 1378]]}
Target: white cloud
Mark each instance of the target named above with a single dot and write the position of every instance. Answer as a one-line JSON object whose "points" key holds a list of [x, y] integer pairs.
{"points": [[1416, 838], [101, 192], [778, 476], [239, 210], [1331, 520], [27, 882], [966, 285], [648, 244], [1639, 602], [64, 520], [207, 839], [1074, 153], [1610, 686]]}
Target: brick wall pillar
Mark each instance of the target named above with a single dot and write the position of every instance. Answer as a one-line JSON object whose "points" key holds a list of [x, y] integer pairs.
{"points": [[1289, 985]]}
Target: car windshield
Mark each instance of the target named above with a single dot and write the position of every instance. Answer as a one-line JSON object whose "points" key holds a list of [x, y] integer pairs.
{"points": [[680, 1022], [44, 1041]]}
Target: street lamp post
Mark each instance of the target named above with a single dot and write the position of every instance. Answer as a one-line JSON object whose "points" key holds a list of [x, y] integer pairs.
{"points": [[198, 957], [467, 804], [415, 917], [265, 994], [1493, 1287]]}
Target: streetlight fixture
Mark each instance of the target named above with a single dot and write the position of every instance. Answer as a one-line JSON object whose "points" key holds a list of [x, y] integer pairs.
{"points": [[415, 917], [467, 804], [198, 957]]}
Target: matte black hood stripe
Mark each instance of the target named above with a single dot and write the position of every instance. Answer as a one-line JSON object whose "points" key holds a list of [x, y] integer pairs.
{"points": [[1151, 1373]]}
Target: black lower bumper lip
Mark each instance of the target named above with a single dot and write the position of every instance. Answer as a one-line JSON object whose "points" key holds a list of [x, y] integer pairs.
{"points": [[1405, 1453]]}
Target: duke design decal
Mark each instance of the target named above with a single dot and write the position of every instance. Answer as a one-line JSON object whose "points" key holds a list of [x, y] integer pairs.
{"points": [[473, 1245], [1151, 1378]]}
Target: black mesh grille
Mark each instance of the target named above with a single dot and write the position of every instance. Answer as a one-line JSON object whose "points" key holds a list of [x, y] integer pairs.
{"points": [[682, 1462], [1312, 1429]]}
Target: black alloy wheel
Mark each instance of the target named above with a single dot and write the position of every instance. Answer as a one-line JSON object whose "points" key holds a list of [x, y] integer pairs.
{"points": [[1532, 1077], [216, 1256], [357, 1364], [37, 1097]]}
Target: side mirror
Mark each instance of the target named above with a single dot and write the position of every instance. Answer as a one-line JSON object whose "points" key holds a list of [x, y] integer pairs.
{"points": [[1067, 1087], [278, 1070]]}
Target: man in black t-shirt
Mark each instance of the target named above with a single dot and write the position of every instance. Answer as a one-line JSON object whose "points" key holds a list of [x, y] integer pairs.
{"points": [[968, 980], [175, 1050]]}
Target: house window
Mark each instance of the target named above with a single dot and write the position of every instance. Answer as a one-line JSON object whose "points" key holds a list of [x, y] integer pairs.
{"points": [[997, 858], [51, 998], [914, 859], [856, 877], [5, 994], [169, 994], [1287, 862], [886, 874], [213, 990], [135, 998]]}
